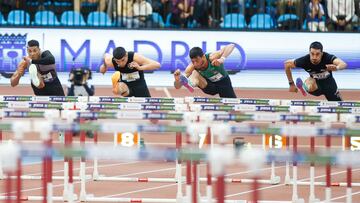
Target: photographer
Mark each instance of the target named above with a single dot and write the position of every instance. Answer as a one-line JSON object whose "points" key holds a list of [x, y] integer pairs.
{"points": [[79, 86]]}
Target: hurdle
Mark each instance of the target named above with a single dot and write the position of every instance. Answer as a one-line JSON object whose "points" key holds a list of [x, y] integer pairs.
{"points": [[339, 111], [19, 128], [290, 130], [133, 115]]}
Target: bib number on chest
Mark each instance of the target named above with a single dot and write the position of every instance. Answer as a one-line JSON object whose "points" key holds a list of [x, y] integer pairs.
{"points": [[47, 77], [129, 77], [322, 75], [216, 77]]}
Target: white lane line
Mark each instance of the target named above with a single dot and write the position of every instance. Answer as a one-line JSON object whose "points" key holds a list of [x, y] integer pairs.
{"points": [[167, 92], [344, 196], [142, 190], [274, 186]]}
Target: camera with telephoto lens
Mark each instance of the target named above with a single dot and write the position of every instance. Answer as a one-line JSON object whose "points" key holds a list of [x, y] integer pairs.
{"points": [[79, 76]]}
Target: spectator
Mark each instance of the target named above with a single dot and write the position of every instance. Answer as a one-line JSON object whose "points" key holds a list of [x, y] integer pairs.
{"points": [[201, 13], [163, 7], [142, 12], [315, 16], [125, 13], [182, 12], [232, 6], [291, 6], [356, 18], [341, 13]]}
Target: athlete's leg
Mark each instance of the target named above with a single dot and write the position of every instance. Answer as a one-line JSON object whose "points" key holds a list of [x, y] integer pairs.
{"points": [[197, 80], [211, 88], [333, 96], [330, 90], [35, 77], [310, 85], [225, 88], [139, 90], [121, 89], [53, 88]]}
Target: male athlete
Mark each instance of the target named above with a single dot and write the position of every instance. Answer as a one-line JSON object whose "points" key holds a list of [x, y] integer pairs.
{"points": [[207, 72], [42, 70], [320, 66], [128, 79]]}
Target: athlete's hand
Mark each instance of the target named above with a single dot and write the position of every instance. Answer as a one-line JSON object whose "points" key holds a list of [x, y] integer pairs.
{"points": [[331, 67], [21, 67], [134, 65], [177, 74], [27, 59], [293, 88], [218, 62], [103, 69]]}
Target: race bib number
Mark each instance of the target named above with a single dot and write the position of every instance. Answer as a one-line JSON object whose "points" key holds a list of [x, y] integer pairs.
{"points": [[47, 77], [216, 77], [322, 75], [129, 77]]}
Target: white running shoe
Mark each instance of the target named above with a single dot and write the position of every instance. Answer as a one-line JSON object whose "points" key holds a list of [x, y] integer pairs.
{"points": [[34, 75]]}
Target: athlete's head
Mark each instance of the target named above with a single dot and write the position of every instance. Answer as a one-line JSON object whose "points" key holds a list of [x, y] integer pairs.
{"points": [[120, 56], [198, 58], [316, 52], [33, 49]]}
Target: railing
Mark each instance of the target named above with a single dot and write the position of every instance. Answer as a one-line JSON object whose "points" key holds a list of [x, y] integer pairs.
{"points": [[293, 15]]}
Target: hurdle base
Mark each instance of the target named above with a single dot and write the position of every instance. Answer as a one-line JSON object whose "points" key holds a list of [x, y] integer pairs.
{"points": [[288, 180], [313, 200], [275, 180], [298, 201], [65, 197]]}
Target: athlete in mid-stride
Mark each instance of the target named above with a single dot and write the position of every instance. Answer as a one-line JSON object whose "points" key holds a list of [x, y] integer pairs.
{"points": [[207, 72], [42, 71], [320, 66], [128, 79]]}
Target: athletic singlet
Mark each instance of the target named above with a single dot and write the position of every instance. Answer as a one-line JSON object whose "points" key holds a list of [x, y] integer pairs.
{"points": [[47, 72], [129, 75], [213, 73]]}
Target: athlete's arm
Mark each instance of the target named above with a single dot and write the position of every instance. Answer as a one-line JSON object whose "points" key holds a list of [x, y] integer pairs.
{"points": [[15, 78], [143, 63], [338, 64], [219, 57], [107, 62], [289, 64]]}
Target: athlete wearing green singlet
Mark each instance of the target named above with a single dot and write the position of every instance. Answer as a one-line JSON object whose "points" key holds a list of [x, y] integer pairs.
{"points": [[213, 73], [207, 72]]}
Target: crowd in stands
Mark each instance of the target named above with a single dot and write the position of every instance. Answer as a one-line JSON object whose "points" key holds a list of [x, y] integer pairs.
{"points": [[311, 15]]}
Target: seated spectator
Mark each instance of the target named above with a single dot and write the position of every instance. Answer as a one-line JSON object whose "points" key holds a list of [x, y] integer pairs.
{"points": [[88, 6], [125, 13], [356, 18], [291, 6], [341, 13], [260, 6], [142, 12], [163, 7], [232, 6], [315, 16], [201, 13], [182, 12]]}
